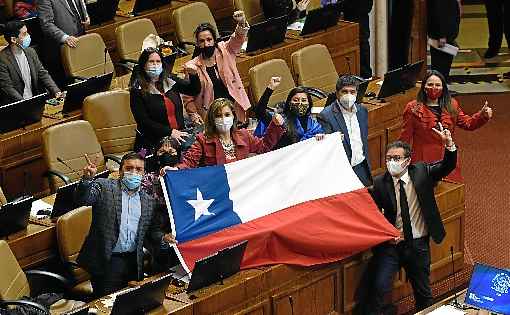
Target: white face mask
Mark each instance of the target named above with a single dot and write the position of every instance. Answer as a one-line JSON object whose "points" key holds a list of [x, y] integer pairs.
{"points": [[396, 168], [348, 100], [224, 124]]}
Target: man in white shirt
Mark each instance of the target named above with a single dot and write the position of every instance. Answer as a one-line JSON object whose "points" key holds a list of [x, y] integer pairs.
{"points": [[351, 119], [21, 73], [405, 194]]}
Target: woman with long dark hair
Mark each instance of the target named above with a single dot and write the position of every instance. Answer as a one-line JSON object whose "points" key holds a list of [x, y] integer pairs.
{"points": [[433, 106], [299, 124], [155, 100]]}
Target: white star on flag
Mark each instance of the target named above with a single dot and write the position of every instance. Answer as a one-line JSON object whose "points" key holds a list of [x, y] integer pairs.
{"points": [[201, 206]]}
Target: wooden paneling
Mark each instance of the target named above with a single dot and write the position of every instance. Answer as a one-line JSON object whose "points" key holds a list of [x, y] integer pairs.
{"points": [[376, 148]]}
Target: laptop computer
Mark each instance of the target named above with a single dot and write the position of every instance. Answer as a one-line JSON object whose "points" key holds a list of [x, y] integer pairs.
{"points": [[101, 11], [78, 91], [400, 80], [217, 266], [320, 19], [489, 289], [22, 113], [14, 215], [64, 200], [267, 33], [146, 5], [143, 298]]}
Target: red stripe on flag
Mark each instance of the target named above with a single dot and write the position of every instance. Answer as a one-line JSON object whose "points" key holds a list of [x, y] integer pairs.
{"points": [[310, 233]]}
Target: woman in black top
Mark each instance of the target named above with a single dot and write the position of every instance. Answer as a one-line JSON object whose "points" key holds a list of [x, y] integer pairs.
{"points": [[299, 124], [155, 100], [277, 8]]}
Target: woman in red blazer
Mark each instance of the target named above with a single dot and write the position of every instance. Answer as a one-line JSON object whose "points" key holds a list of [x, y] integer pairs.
{"points": [[223, 143], [434, 106]]}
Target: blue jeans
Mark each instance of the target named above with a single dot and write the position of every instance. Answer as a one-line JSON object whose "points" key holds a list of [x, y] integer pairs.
{"points": [[414, 257]]}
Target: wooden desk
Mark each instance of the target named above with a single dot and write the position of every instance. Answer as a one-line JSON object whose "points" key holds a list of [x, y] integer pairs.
{"points": [[21, 153], [326, 289]]}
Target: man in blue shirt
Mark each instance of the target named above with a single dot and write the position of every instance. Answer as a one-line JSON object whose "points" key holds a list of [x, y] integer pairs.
{"points": [[123, 216]]}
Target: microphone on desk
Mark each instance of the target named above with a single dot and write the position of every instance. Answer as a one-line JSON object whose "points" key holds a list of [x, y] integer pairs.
{"points": [[455, 303]]}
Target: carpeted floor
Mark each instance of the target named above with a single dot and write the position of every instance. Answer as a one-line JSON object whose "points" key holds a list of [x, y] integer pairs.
{"points": [[485, 158]]}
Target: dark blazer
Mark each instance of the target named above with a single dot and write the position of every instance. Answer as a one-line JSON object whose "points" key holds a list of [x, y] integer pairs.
{"points": [[443, 18], [150, 113], [57, 19], [276, 8], [105, 197], [11, 81], [332, 120], [424, 177]]}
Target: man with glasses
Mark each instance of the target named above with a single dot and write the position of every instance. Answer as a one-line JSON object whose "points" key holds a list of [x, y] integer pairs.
{"points": [[351, 119], [405, 194]]}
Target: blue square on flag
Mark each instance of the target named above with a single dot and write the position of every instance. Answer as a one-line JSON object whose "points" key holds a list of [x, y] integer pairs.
{"points": [[200, 202]]}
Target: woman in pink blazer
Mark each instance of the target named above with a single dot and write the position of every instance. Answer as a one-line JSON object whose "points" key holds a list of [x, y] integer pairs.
{"points": [[217, 70]]}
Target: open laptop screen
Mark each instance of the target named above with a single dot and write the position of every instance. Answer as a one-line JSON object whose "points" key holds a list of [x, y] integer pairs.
{"points": [[489, 289]]}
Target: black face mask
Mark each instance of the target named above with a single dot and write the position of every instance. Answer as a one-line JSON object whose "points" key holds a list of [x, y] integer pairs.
{"points": [[207, 51], [167, 159]]}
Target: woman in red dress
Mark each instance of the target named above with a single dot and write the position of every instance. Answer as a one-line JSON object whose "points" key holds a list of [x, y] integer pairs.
{"points": [[435, 106]]}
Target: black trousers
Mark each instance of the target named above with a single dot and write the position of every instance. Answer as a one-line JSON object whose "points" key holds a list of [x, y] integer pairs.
{"points": [[498, 18], [362, 18], [399, 33], [414, 257], [441, 62], [121, 270]]}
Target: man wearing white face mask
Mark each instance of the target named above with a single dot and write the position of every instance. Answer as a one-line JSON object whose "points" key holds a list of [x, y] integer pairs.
{"points": [[351, 119], [123, 217], [21, 73], [405, 194]]}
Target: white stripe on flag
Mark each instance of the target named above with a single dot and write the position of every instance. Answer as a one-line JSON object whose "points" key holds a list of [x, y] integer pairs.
{"points": [[276, 180]]}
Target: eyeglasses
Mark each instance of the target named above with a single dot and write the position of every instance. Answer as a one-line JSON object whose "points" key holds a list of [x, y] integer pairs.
{"points": [[396, 158]]}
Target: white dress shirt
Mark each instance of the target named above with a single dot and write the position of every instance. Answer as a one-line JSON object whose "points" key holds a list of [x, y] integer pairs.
{"points": [[351, 121], [417, 221], [24, 67]]}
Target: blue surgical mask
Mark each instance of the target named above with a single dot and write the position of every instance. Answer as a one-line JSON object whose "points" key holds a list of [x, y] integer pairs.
{"points": [[154, 71], [131, 181], [26, 41]]}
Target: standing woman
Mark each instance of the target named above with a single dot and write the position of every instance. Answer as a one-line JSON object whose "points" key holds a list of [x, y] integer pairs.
{"points": [[217, 70], [155, 100], [223, 143], [277, 8], [434, 106], [299, 124]]}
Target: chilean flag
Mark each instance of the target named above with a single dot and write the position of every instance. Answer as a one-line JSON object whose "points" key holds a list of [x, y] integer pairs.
{"points": [[300, 205]]}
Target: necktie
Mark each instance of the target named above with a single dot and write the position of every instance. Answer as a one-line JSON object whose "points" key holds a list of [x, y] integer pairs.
{"points": [[404, 212], [73, 7]]}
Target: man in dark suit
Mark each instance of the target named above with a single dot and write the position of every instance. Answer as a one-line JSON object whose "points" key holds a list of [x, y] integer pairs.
{"points": [[351, 119], [123, 217], [405, 194], [358, 11], [443, 20], [498, 20], [21, 73], [62, 22]]}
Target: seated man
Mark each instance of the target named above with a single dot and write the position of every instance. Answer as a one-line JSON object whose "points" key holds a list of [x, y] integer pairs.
{"points": [[123, 216], [406, 193], [21, 73], [351, 120]]}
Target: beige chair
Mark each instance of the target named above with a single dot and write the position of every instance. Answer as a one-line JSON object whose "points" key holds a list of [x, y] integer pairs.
{"points": [[252, 10], [259, 78], [88, 58], [69, 142], [3, 200], [14, 282], [72, 229], [314, 67], [129, 38], [188, 17], [110, 116]]}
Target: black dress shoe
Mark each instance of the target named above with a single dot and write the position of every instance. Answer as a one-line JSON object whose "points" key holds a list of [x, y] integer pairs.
{"points": [[491, 53]]}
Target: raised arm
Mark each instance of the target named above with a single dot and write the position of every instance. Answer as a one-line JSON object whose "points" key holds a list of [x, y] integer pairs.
{"points": [[191, 86], [88, 191], [273, 134], [237, 39], [475, 121], [261, 108], [444, 167]]}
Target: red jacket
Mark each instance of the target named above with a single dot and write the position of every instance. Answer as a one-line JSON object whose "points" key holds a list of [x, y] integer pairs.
{"points": [[427, 146], [209, 151]]}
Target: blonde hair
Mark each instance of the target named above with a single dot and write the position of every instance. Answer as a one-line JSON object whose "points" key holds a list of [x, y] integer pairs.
{"points": [[217, 105]]}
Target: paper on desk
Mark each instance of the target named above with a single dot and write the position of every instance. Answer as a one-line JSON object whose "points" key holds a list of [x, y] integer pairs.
{"points": [[447, 310], [447, 48], [296, 26], [39, 205]]}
